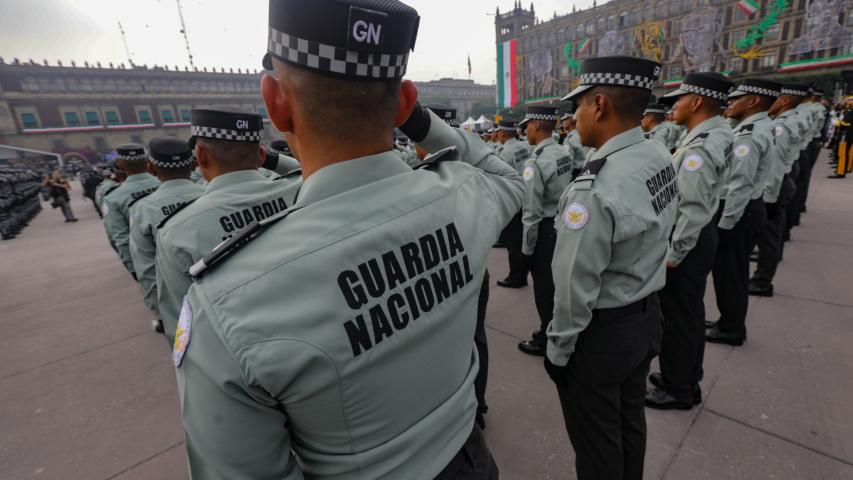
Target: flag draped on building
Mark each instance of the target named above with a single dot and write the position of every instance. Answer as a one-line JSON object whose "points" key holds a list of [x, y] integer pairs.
{"points": [[507, 94], [748, 7], [583, 45]]}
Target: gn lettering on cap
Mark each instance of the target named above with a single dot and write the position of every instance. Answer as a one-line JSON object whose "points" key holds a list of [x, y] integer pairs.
{"points": [[365, 29]]}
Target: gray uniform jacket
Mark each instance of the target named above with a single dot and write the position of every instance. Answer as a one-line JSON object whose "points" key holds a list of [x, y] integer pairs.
{"points": [[102, 189], [117, 215], [341, 335], [750, 162], [702, 165], [661, 133], [786, 133], [676, 134], [515, 154], [230, 203], [576, 151], [611, 236], [145, 215], [546, 174]]}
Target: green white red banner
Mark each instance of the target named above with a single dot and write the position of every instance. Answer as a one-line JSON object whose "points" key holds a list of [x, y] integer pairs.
{"points": [[748, 7], [507, 93]]}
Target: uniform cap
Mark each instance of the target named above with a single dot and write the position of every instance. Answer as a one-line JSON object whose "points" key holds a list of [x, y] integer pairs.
{"points": [[131, 151], [539, 113], [280, 146], [444, 112], [795, 89], [566, 116], [655, 108], [707, 84], [757, 86], [225, 123], [616, 72], [170, 152], [508, 125], [355, 39]]}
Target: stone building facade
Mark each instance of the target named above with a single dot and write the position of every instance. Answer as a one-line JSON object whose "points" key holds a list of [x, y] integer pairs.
{"points": [[746, 38], [462, 94]]}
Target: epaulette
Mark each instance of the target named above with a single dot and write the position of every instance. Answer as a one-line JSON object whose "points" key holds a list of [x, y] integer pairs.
{"points": [[432, 160], [746, 129], [110, 190], [698, 139], [590, 170], [222, 251], [175, 212], [294, 172], [139, 198]]}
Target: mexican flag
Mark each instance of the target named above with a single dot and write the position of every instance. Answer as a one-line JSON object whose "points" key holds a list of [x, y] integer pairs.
{"points": [[507, 94], [583, 45], [748, 7]]}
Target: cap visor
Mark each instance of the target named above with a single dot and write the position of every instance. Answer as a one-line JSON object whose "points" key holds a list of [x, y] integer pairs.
{"points": [[675, 93], [267, 61], [737, 93], [522, 123], [577, 91]]}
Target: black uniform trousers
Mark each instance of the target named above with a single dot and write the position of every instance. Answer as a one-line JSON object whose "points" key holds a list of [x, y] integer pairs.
{"points": [[770, 242], [814, 152], [543, 279], [518, 263], [682, 303], [731, 267], [482, 346], [473, 461], [602, 390], [801, 179]]}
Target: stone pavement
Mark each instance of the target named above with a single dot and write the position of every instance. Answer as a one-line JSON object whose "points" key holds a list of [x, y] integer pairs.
{"points": [[87, 390]]}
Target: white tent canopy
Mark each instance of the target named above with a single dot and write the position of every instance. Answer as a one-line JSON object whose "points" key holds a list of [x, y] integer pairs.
{"points": [[468, 124], [484, 123]]}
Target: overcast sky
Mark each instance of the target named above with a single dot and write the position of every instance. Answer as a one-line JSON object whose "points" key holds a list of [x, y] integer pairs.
{"points": [[232, 33]]}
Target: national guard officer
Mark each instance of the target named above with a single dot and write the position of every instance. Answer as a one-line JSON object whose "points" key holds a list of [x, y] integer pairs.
{"points": [[515, 154], [815, 114], [227, 147], [546, 174], [781, 186], [808, 127], [171, 162], [702, 164], [337, 341], [277, 163], [133, 160], [106, 186], [743, 211], [609, 262], [653, 123], [572, 142]]}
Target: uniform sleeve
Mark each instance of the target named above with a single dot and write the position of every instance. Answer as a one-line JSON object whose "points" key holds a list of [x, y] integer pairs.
{"points": [[507, 156], [285, 164], [502, 181], [117, 229], [695, 184], [173, 281], [745, 157], [776, 173], [233, 431], [532, 208], [142, 250], [661, 135], [584, 239]]}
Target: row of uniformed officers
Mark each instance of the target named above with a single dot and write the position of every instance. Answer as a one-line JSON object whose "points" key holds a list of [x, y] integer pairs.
{"points": [[19, 199], [321, 320]]}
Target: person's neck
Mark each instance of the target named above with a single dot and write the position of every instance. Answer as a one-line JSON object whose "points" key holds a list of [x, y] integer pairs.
{"points": [[130, 174], [540, 138], [652, 125], [695, 120], [316, 153], [750, 113], [166, 178]]}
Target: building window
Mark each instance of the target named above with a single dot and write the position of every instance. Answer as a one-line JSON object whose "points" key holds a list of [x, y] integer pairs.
{"points": [[92, 118], [580, 31], [768, 60], [601, 25], [185, 115], [29, 120], [737, 36], [772, 33], [72, 119], [611, 22], [675, 71], [112, 118], [590, 28], [167, 115], [676, 26], [735, 64], [144, 116]]}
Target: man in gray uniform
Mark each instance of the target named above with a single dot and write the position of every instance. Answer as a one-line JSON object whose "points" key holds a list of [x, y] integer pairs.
{"points": [[139, 183], [572, 143], [781, 186], [742, 208], [171, 162], [702, 163], [609, 262], [653, 123], [515, 154], [677, 132], [546, 174], [227, 145], [336, 343]]}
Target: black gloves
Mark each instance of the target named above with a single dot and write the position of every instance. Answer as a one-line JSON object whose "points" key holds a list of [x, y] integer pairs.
{"points": [[272, 161], [417, 125], [559, 375]]}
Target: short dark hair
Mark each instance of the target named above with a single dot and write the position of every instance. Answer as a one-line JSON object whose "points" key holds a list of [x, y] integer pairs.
{"points": [[659, 117], [232, 155], [627, 102], [329, 100], [546, 125]]}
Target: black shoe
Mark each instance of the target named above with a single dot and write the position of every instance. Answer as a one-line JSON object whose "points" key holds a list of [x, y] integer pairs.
{"points": [[715, 335], [508, 283], [710, 324], [660, 399], [533, 347], [73, 220], [656, 379], [157, 326], [753, 257], [760, 291]]}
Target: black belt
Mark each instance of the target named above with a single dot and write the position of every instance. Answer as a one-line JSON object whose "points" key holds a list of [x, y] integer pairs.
{"points": [[640, 306]]}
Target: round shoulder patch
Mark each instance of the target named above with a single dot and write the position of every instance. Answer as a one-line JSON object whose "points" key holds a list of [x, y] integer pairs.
{"points": [[742, 150], [527, 173], [692, 162], [779, 130], [182, 333], [576, 216]]}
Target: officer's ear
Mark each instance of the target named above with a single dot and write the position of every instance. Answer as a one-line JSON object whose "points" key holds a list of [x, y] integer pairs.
{"points": [[277, 99], [152, 169], [202, 156], [262, 156], [406, 103]]}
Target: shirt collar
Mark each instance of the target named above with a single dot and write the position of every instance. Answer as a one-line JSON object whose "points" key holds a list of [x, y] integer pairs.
{"points": [[544, 143], [755, 117], [623, 140], [233, 178], [348, 175], [709, 124], [138, 177], [174, 183]]}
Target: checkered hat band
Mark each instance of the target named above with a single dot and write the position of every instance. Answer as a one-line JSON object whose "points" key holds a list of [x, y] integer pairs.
{"points": [[799, 93], [328, 58], [536, 116], [130, 158], [225, 134], [655, 110], [618, 79], [171, 163], [705, 92], [757, 91]]}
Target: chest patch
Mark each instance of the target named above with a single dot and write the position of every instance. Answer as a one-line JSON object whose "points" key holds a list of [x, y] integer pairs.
{"points": [[182, 333], [742, 150], [576, 216], [528, 173], [693, 162]]}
